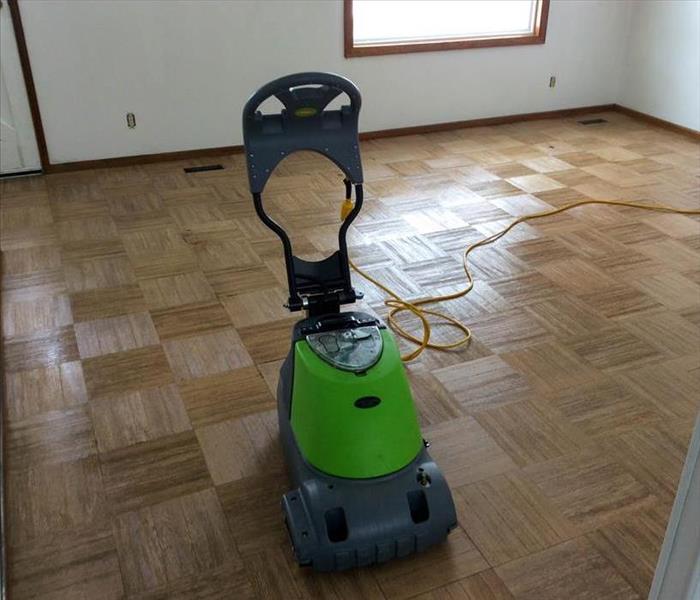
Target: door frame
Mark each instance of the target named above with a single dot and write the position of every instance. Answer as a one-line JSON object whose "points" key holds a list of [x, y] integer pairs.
{"points": [[677, 575], [21, 41]]}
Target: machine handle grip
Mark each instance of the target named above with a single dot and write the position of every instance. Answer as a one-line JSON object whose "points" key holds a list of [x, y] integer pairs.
{"points": [[284, 89]]}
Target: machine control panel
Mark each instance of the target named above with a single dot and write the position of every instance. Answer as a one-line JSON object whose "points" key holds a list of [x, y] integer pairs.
{"points": [[353, 349]]}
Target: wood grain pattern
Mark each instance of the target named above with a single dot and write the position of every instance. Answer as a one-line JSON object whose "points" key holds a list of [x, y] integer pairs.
{"points": [[572, 569], [466, 457], [206, 354], [126, 371], [115, 334], [226, 396], [240, 448], [591, 488], [63, 496], [508, 518], [125, 419], [145, 474], [161, 544], [527, 434], [81, 562], [143, 335]]}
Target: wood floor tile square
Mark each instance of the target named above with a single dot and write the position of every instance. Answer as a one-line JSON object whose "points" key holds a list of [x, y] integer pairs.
{"points": [[433, 402], [466, 452], [485, 585], [526, 288], [528, 434], [668, 386], [241, 448], [35, 315], [550, 366], [31, 260], [126, 371], [87, 229], [49, 498], [667, 331], [50, 437], [226, 396], [40, 390], [45, 349], [208, 354], [76, 252], [114, 271], [483, 383], [152, 472], [602, 407], [144, 221], [508, 331], [493, 263], [570, 570], [78, 563], [107, 302], [214, 256], [507, 517], [178, 290], [676, 226], [618, 300], [189, 319], [576, 276], [255, 308], [632, 546], [161, 544], [671, 289], [546, 164], [154, 242], [653, 455], [21, 217], [115, 334], [590, 488], [140, 416], [252, 508], [566, 316], [268, 341], [455, 559], [682, 257], [226, 282], [633, 233], [614, 348], [535, 183]]}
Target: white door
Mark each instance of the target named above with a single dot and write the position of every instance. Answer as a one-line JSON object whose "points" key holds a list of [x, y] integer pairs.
{"points": [[18, 149]]}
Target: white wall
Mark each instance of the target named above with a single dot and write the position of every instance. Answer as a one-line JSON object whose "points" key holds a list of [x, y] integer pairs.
{"points": [[662, 63], [185, 69]]}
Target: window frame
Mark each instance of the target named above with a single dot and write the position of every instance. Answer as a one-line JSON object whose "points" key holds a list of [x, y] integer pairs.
{"points": [[352, 51]]}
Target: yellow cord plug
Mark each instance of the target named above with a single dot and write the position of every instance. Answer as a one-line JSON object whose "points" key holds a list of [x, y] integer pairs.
{"points": [[346, 208]]}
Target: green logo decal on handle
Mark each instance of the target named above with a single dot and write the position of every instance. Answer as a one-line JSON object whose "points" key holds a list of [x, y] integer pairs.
{"points": [[305, 111]]}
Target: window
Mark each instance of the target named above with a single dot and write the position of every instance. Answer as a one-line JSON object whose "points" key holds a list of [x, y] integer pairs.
{"points": [[397, 26]]}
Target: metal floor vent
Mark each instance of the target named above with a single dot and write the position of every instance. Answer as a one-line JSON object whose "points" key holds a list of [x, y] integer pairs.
{"points": [[592, 121], [203, 168]]}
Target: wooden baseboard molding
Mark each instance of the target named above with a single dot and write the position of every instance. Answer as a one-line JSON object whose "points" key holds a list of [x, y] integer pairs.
{"points": [[656, 121], [140, 159], [484, 122]]}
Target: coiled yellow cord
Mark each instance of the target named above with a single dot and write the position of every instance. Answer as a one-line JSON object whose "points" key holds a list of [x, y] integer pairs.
{"points": [[397, 304]]}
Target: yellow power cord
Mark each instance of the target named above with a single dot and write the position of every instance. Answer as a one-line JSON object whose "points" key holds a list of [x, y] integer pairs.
{"points": [[397, 304]]}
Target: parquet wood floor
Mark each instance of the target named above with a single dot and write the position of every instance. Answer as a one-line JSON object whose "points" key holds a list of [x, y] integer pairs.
{"points": [[143, 332]]}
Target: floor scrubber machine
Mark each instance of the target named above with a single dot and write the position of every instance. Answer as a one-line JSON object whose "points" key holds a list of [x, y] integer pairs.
{"points": [[365, 489]]}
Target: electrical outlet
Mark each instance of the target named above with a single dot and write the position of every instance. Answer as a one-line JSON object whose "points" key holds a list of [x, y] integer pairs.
{"points": [[552, 81], [130, 120]]}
